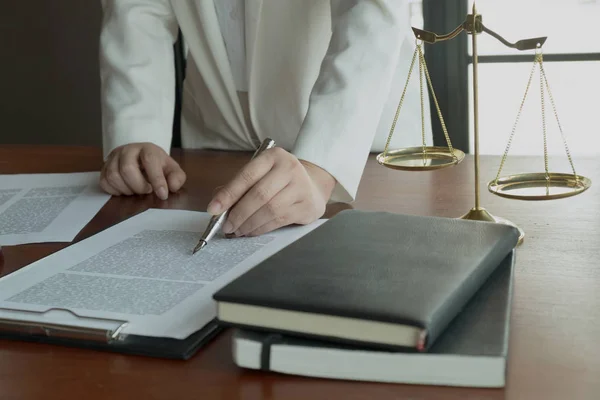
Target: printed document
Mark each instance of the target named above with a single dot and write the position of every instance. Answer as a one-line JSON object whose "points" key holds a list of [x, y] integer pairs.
{"points": [[141, 272], [38, 208]]}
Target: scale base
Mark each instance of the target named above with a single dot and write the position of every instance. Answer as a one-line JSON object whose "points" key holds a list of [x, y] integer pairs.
{"points": [[481, 214]]}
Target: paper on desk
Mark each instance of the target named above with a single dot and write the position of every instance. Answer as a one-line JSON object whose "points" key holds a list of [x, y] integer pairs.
{"points": [[38, 208], [141, 271]]}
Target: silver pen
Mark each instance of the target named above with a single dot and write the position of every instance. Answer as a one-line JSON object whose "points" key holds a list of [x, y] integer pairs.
{"points": [[217, 221]]}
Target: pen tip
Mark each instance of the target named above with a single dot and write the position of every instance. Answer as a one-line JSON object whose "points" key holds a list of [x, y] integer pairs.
{"points": [[199, 247]]}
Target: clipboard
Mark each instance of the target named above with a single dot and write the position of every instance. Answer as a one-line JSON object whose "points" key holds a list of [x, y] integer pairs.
{"points": [[112, 340], [200, 324]]}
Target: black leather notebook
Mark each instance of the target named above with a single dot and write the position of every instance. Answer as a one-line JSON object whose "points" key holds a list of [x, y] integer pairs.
{"points": [[471, 352], [370, 278]]}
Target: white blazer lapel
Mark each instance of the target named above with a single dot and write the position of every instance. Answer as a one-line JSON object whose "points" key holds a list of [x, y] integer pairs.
{"points": [[206, 45]]}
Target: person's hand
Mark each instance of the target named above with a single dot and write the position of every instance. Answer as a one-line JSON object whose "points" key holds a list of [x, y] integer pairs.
{"points": [[273, 190], [141, 168]]}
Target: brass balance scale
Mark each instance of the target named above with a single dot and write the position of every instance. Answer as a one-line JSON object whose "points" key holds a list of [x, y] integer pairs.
{"points": [[527, 186]]}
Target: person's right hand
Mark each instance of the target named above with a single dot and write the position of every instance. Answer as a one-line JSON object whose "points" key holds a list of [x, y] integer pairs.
{"points": [[141, 168]]}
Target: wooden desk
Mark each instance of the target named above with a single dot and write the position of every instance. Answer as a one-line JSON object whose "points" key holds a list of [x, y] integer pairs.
{"points": [[554, 350]]}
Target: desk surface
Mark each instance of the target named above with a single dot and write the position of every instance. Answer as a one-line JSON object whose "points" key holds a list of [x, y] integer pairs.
{"points": [[554, 350]]}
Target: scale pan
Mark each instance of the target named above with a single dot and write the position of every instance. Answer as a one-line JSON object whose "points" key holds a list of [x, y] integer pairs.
{"points": [[535, 186], [421, 158]]}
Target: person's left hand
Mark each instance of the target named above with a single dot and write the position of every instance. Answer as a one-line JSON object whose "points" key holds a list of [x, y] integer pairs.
{"points": [[273, 190]]}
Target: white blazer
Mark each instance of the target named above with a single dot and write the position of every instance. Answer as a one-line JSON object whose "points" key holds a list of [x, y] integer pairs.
{"points": [[325, 79]]}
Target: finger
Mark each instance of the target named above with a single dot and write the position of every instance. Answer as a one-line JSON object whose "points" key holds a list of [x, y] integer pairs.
{"points": [[258, 196], [113, 176], [283, 220], [175, 175], [152, 161], [247, 177], [216, 190], [104, 182], [279, 205], [129, 168], [107, 188]]}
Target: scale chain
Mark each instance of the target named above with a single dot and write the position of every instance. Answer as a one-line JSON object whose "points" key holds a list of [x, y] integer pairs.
{"points": [[543, 81], [422, 68], [387, 143], [512, 134], [558, 122], [437, 107], [538, 59], [422, 101]]}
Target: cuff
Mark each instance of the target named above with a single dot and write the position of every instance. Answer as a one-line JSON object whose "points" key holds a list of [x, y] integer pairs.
{"points": [[347, 177], [130, 131]]}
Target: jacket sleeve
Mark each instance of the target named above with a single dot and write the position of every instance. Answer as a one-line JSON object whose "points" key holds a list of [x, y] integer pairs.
{"points": [[137, 72], [351, 89]]}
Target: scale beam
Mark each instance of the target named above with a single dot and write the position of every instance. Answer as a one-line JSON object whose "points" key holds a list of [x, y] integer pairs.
{"points": [[431, 37], [524, 44], [474, 24]]}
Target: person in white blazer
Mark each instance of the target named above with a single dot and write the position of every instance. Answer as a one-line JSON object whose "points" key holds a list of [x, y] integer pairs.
{"points": [[321, 77]]}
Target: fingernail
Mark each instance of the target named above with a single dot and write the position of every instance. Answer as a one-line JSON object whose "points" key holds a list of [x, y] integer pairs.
{"points": [[228, 227], [162, 193], [214, 207]]}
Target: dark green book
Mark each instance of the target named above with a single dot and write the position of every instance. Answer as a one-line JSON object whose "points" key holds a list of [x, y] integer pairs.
{"points": [[374, 279]]}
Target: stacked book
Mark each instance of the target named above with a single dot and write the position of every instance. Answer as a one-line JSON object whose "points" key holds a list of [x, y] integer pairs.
{"points": [[375, 296]]}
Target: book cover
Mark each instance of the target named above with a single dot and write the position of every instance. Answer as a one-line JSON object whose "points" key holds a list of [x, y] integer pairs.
{"points": [[370, 278]]}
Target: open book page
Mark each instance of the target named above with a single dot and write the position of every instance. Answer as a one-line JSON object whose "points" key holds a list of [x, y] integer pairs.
{"points": [[141, 271], [38, 208]]}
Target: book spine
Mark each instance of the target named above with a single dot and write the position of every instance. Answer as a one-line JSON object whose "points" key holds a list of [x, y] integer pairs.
{"points": [[463, 293]]}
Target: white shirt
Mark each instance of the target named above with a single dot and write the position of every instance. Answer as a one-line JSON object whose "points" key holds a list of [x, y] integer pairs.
{"points": [[232, 16]]}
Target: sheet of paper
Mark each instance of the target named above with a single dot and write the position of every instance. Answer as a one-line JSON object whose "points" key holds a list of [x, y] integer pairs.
{"points": [[38, 208], [141, 271]]}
